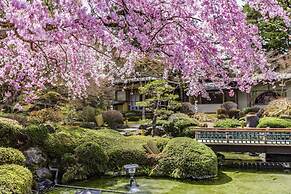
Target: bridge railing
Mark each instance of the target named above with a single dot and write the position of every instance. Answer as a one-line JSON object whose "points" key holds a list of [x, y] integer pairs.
{"points": [[243, 136]]}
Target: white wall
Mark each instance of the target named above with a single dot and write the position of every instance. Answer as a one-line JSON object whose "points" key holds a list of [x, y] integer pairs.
{"points": [[208, 108]]}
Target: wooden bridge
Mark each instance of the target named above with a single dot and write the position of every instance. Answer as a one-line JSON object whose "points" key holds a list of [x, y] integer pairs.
{"points": [[266, 140]]}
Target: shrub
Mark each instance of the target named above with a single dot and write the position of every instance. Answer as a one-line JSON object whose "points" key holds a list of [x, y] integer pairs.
{"points": [[36, 134], [278, 107], [227, 123], [45, 115], [133, 115], [229, 106], [10, 130], [88, 114], [92, 156], [228, 110], [186, 158], [178, 122], [248, 110], [75, 172], [113, 118], [15, 179], [122, 155], [187, 108], [233, 113], [11, 156], [274, 122], [60, 143], [20, 118]]}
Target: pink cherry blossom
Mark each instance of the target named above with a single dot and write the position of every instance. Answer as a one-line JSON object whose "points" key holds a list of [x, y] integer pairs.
{"points": [[75, 43]]}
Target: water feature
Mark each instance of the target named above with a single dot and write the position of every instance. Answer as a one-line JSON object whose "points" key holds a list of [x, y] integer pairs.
{"points": [[228, 182]]}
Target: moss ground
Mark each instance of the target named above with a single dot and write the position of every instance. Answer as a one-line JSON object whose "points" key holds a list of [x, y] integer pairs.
{"points": [[228, 182]]}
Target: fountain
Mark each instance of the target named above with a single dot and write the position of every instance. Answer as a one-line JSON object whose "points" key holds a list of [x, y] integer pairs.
{"points": [[131, 170]]}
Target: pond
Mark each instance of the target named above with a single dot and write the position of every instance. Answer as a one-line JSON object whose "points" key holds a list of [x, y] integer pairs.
{"points": [[228, 182]]}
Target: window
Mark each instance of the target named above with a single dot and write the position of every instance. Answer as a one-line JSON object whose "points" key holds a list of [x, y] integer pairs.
{"points": [[120, 95]]}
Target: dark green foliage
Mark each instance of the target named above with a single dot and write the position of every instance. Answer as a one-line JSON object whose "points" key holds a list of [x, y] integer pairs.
{"points": [[273, 31], [88, 160], [274, 122], [60, 143], [248, 110], [227, 123], [187, 108], [11, 156], [221, 111], [234, 113], [186, 158], [36, 134], [133, 115], [92, 156], [75, 172], [10, 131], [228, 110], [88, 114], [15, 179], [113, 118], [177, 123]]}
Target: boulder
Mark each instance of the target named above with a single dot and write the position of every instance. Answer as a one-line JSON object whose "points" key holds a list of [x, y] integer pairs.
{"points": [[252, 120], [35, 157], [43, 173], [44, 185]]}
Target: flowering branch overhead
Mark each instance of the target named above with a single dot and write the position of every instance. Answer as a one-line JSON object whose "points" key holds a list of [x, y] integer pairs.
{"points": [[76, 42]]}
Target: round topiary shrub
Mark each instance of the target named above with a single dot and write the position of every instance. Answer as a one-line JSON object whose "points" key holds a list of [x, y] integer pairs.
{"points": [[10, 131], [15, 179], [274, 122], [91, 155], [186, 158], [113, 118], [36, 134], [178, 122], [11, 156]]}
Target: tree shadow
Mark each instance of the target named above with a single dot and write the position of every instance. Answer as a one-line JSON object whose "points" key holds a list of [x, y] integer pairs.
{"points": [[221, 179]]}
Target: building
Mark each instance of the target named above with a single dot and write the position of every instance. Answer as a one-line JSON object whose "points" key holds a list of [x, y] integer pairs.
{"points": [[126, 92]]}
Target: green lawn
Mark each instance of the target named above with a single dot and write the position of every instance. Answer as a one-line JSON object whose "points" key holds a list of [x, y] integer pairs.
{"points": [[228, 182]]}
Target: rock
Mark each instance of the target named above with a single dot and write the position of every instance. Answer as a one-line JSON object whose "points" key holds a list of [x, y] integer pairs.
{"points": [[43, 173], [88, 192], [252, 120], [44, 185], [35, 157]]}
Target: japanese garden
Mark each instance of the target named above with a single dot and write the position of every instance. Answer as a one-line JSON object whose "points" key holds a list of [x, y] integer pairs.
{"points": [[151, 96]]}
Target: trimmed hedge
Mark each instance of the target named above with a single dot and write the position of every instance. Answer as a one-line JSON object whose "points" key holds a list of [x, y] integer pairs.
{"points": [[274, 122], [10, 131], [92, 156], [186, 158], [227, 123], [36, 134], [11, 156], [113, 118], [15, 179], [177, 123]]}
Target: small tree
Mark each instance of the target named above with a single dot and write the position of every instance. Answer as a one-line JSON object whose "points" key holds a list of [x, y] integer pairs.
{"points": [[159, 99]]}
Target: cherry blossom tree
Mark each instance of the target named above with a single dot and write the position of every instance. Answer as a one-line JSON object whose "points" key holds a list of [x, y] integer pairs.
{"points": [[75, 42]]}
